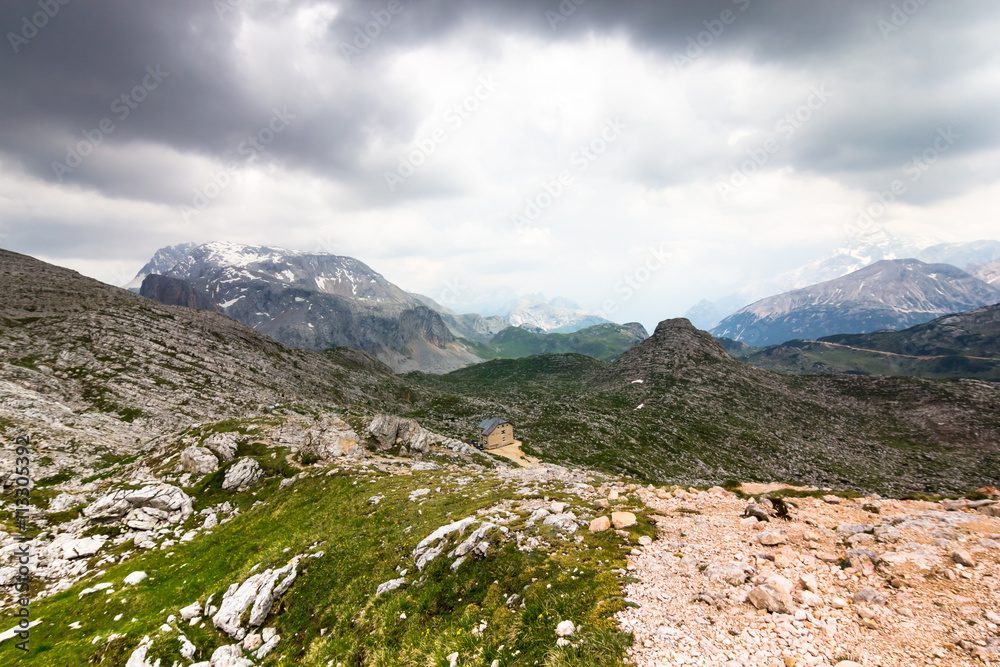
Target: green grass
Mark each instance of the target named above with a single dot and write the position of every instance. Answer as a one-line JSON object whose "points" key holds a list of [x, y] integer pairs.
{"points": [[330, 613]]}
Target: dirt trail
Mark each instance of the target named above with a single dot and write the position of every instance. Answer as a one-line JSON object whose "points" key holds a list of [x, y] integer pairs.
{"points": [[896, 354]]}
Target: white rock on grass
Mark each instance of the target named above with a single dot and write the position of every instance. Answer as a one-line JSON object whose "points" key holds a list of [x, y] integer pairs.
{"points": [[148, 508], [199, 461], [138, 657], [83, 547], [135, 577], [565, 629], [242, 475], [389, 586], [193, 610], [230, 656], [258, 594]]}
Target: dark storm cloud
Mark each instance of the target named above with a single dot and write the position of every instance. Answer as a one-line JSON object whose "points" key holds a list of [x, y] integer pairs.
{"points": [[71, 75], [767, 29]]}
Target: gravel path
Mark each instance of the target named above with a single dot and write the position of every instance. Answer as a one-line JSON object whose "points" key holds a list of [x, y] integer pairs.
{"points": [[924, 608]]}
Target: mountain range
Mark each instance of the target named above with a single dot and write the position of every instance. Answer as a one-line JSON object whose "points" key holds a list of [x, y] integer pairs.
{"points": [[963, 345], [92, 367], [889, 294], [863, 249], [317, 301]]}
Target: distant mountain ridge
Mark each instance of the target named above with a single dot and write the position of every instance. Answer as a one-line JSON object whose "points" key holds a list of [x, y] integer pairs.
{"points": [[963, 345], [606, 342], [862, 250], [313, 301], [890, 294]]}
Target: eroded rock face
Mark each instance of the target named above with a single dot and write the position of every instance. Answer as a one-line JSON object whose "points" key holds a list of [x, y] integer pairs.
{"points": [[242, 475], [388, 431], [147, 508], [223, 445], [258, 594], [199, 461], [330, 438]]}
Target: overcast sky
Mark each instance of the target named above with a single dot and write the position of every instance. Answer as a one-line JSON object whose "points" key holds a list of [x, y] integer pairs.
{"points": [[464, 148]]}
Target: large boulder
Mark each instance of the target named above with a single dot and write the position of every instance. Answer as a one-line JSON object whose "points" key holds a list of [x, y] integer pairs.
{"points": [[258, 594], [772, 598], [224, 445], [330, 438], [146, 508], [383, 431], [242, 475], [199, 461]]}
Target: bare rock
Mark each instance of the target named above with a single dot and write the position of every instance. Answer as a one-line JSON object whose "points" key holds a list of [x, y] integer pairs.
{"points": [[242, 475], [600, 524], [622, 520], [147, 508], [772, 538], [734, 575], [963, 557], [257, 594], [199, 461], [772, 598], [223, 445]]}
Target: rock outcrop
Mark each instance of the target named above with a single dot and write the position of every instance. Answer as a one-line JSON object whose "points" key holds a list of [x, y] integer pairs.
{"points": [[147, 508]]}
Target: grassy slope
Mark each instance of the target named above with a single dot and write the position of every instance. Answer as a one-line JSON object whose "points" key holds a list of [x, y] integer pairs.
{"points": [[362, 545], [714, 419], [819, 357], [964, 345], [603, 341]]}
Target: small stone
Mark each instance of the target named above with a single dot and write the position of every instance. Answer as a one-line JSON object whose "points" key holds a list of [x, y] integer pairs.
{"points": [[645, 540], [772, 538], [135, 578], [771, 598], [866, 595], [558, 508], [963, 557], [565, 629], [603, 503], [600, 524], [623, 519]]}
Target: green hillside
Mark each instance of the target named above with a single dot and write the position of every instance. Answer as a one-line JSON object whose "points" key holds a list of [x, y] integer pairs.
{"points": [[964, 345], [602, 341]]}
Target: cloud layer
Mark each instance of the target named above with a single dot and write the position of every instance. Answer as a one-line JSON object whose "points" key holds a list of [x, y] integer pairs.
{"points": [[458, 147]]}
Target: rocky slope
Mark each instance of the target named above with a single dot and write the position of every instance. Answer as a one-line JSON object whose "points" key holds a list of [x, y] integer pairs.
{"points": [[558, 315], [316, 301], [963, 345], [841, 581], [678, 406], [886, 295], [470, 326], [989, 273]]}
